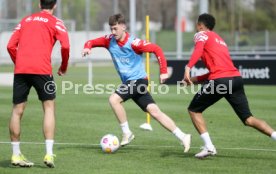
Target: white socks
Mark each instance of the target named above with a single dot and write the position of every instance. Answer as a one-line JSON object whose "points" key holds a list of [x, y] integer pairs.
{"points": [[179, 134], [49, 146], [125, 128], [207, 140], [16, 148], [273, 135]]}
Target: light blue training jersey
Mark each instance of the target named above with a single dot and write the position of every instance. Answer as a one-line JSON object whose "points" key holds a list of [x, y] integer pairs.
{"points": [[129, 65]]}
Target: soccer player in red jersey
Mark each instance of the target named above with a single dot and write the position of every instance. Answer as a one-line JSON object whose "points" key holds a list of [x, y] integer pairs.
{"points": [[30, 48], [126, 52], [213, 51]]}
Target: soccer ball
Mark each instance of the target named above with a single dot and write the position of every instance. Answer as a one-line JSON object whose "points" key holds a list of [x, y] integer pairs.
{"points": [[109, 143]]}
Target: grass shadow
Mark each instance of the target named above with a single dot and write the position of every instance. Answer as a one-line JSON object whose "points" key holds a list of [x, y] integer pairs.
{"points": [[6, 164], [97, 149]]}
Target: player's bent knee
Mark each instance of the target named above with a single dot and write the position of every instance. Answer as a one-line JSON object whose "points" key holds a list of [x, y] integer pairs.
{"points": [[48, 103], [191, 112], [115, 99], [19, 109], [153, 110], [111, 100], [249, 121]]}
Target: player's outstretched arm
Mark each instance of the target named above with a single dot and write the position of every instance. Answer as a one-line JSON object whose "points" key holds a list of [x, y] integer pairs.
{"points": [[163, 77], [85, 52], [187, 77], [99, 42], [141, 46]]}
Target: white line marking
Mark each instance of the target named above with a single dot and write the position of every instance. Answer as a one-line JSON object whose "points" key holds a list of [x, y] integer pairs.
{"points": [[149, 146]]}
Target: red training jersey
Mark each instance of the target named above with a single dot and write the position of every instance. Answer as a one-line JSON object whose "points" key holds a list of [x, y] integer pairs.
{"points": [[138, 45], [32, 41], [214, 53]]}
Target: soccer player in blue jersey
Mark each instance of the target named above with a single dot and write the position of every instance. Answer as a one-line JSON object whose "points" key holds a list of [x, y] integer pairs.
{"points": [[126, 52]]}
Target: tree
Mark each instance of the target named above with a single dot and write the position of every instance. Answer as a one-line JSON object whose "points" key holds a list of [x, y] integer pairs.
{"points": [[75, 10], [237, 15], [163, 11]]}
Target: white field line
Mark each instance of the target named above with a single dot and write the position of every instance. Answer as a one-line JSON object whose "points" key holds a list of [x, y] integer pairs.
{"points": [[149, 146]]}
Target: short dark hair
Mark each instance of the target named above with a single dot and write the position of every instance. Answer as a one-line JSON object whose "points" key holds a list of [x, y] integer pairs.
{"points": [[47, 4], [208, 20], [116, 19]]}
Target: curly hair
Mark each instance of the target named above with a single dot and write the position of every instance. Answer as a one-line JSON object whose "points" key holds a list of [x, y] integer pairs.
{"points": [[208, 20]]}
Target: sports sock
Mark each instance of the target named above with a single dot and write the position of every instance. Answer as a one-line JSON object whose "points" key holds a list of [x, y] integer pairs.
{"points": [[49, 146], [178, 133], [273, 135], [16, 148], [207, 140], [125, 128]]}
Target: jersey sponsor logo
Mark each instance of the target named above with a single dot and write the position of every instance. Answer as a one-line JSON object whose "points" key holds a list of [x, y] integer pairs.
{"points": [[145, 43], [40, 19], [29, 19], [18, 27], [122, 59], [200, 37], [124, 71], [221, 42], [60, 29], [60, 23], [138, 42]]}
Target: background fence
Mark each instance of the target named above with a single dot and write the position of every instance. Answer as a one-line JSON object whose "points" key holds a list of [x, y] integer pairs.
{"points": [[251, 38], [247, 26]]}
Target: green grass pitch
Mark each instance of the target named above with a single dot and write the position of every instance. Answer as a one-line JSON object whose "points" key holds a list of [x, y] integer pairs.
{"points": [[82, 119]]}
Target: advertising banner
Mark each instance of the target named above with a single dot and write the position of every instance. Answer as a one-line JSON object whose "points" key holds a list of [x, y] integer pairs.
{"points": [[257, 72]]}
